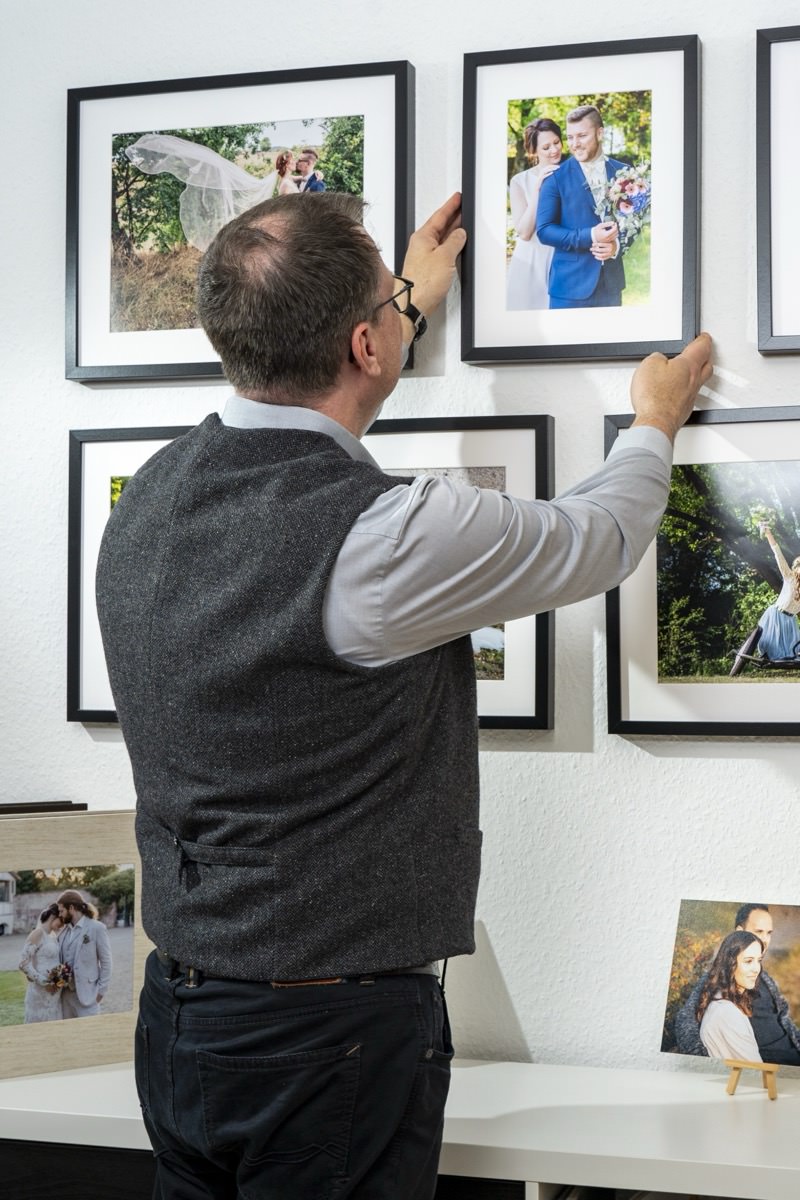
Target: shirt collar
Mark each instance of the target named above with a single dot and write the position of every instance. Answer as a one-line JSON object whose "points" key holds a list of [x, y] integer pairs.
{"points": [[596, 167], [241, 413]]}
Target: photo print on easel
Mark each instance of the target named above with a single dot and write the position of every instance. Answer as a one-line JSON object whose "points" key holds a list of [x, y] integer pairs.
{"points": [[734, 988]]}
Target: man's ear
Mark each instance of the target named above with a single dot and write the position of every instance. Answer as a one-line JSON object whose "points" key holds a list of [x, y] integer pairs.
{"points": [[363, 349]]}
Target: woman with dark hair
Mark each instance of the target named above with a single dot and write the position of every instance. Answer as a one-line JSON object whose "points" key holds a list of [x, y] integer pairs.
{"points": [[39, 955], [726, 1003], [526, 283], [779, 632]]}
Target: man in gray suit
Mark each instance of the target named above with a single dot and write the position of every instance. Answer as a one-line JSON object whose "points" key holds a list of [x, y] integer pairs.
{"points": [[284, 627], [85, 947]]}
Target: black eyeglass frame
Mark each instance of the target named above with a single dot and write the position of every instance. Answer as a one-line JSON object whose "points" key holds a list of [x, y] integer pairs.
{"points": [[406, 288]]}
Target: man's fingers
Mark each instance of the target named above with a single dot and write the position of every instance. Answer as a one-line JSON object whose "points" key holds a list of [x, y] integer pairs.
{"points": [[444, 221], [698, 357], [455, 241]]}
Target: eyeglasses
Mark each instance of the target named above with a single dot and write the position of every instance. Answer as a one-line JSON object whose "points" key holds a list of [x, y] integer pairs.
{"points": [[405, 290]]}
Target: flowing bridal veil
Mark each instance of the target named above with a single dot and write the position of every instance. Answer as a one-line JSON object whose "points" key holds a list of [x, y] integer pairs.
{"points": [[216, 191]]}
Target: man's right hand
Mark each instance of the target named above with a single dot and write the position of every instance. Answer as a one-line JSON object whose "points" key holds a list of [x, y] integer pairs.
{"points": [[663, 390], [607, 231], [432, 253]]}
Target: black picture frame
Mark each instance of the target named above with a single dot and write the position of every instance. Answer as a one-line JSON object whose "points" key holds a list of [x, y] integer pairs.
{"points": [[383, 93], [777, 255], [523, 698], [490, 330], [97, 455], [758, 701]]}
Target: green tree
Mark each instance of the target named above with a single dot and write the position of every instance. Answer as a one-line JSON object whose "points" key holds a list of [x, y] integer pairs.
{"points": [[117, 485], [715, 573], [342, 154], [80, 877], [626, 117], [29, 881], [116, 887]]}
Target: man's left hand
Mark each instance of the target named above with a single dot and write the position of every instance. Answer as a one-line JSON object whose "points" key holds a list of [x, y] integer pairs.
{"points": [[432, 253]]}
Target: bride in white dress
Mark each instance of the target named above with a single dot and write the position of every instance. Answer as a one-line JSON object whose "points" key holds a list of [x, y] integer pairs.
{"points": [[529, 268], [39, 955]]}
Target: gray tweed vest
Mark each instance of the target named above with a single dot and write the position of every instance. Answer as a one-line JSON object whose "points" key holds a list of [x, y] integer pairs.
{"points": [[297, 816]]}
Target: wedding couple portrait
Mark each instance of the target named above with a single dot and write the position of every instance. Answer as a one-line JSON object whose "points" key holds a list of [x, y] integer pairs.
{"points": [[578, 202], [173, 190], [67, 961], [67, 949]]}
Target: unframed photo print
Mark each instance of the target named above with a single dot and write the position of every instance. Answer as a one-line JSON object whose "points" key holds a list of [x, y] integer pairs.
{"points": [[734, 988]]}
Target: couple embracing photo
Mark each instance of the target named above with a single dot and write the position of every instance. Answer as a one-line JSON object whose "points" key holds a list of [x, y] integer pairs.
{"points": [[67, 961], [573, 217]]}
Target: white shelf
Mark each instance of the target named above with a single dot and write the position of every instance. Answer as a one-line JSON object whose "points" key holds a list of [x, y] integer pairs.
{"points": [[541, 1124], [627, 1129]]}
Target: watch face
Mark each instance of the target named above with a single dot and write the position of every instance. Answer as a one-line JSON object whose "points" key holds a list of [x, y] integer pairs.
{"points": [[421, 326]]}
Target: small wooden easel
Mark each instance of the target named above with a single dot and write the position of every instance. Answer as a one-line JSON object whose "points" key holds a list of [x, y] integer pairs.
{"points": [[768, 1073]]}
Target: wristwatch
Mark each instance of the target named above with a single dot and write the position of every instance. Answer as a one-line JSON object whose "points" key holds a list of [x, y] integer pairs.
{"points": [[417, 319]]}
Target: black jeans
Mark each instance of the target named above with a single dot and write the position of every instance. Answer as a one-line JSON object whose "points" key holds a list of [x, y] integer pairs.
{"points": [[318, 1092]]}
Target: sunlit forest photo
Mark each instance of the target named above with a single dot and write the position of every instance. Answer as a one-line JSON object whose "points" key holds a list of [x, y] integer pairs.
{"points": [[716, 574]]}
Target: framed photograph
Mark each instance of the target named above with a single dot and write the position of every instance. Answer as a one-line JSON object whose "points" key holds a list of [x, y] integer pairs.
{"points": [[703, 637], [734, 987], [581, 178], [100, 463], [778, 255], [57, 870], [155, 169], [514, 661], [514, 664]]}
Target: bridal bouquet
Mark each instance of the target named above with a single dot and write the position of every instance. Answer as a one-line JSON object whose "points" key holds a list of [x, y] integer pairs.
{"points": [[627, 201], [59, 976]]}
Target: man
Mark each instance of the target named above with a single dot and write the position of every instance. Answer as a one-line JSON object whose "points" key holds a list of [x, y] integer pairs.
{"points": [[84, 947], [310, 180], [777, 1035], [586, 271], [286, 635]]}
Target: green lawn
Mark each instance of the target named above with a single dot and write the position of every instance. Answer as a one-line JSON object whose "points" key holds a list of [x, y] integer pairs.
{"points": [[12, 997], [754, 675], [637, 271]]}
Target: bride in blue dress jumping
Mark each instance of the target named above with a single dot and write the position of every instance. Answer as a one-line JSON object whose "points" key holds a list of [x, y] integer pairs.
{"points": [[779, 630]]}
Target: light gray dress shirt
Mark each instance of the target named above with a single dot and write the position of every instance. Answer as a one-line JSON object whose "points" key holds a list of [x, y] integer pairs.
{"points": [[433, 560]]}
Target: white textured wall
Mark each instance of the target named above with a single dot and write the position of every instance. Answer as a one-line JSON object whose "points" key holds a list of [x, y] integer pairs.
{"points": [[591, 840]]}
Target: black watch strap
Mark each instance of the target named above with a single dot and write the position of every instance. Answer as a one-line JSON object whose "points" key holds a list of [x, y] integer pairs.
{"points": [[416, 318]]}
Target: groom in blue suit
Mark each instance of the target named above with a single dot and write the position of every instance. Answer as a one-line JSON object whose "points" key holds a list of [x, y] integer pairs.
{"points": [[586, 271]]}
